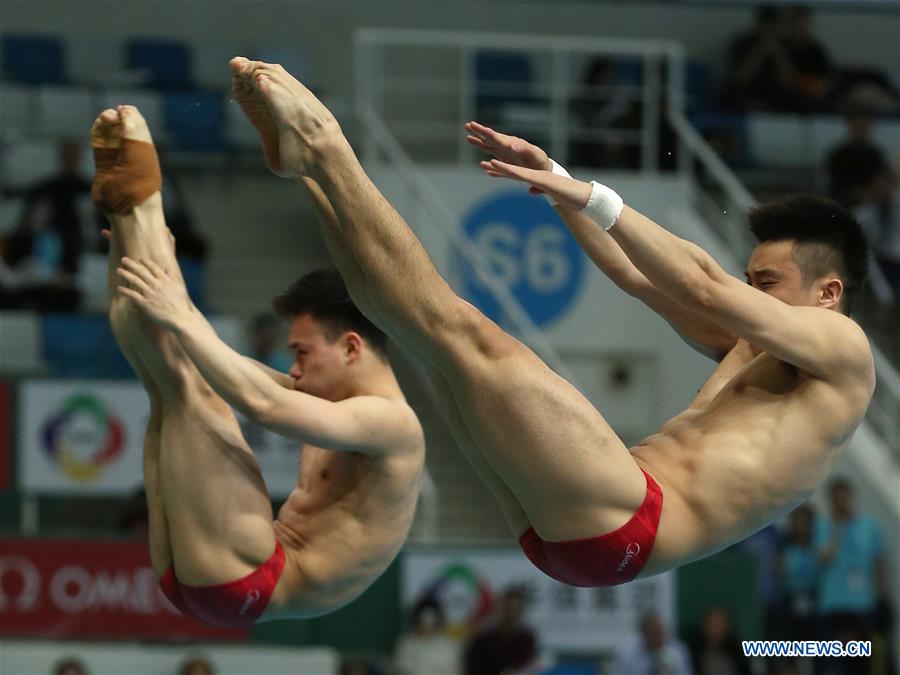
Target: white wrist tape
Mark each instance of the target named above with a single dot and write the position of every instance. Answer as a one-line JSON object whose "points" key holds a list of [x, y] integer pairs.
{"points": [[559, 170], [604, 206]]}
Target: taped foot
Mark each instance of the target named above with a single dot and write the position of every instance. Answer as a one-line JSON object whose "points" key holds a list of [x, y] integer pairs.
{"points": [[125, 159]]}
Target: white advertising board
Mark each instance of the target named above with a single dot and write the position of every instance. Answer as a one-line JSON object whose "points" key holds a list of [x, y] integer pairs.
{"points": [[468, 582], [87, 436]]}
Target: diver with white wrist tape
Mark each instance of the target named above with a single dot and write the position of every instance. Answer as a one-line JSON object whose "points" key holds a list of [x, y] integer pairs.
{"points": [[795, 373]]}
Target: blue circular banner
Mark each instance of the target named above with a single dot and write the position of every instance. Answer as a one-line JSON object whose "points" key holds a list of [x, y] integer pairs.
{"points": [[530, 249]]}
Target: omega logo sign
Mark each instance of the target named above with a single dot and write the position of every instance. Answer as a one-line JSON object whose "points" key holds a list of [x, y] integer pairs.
{"points": [[74, 589], [28, 583]]}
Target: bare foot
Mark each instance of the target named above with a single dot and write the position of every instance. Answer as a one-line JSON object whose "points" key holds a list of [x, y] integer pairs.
{"points": [[293, 124], [257, 111]]}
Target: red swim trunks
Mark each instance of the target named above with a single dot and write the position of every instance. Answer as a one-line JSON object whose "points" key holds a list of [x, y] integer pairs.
{"points": [[237, 604], [607, 560]]}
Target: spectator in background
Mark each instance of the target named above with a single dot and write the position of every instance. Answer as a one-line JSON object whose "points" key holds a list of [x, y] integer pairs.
{"points": [[604, 112], [879, 216], [715, 649], [427, 648], [765, 545], [190, 245], [799, 576], [65, 197], [810, 64], [851, 554], [857, 163], [266, 342], [760, 73], [197, 665], [70, 666], [38, 264], [653, 652], [507, 647], [860, 177]]}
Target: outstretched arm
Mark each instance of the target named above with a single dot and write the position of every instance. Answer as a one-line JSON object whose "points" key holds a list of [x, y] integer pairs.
{"points": [[367, 424], [279, 378], [704, 335], [826, 344]]}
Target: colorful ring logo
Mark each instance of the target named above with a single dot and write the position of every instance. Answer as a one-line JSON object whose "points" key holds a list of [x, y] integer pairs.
{"points": [[73, 454], [476, 603]]}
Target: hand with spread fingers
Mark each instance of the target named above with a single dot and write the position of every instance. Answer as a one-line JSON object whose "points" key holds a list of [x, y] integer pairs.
{"points": [[161, 294], [570, 193]]}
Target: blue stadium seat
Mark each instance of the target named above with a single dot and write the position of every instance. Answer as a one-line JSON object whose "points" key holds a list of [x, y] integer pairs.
{"points": [[500, 78], [699, 85], [195, 120], [33, 59], [167, 63], [82, 346]]}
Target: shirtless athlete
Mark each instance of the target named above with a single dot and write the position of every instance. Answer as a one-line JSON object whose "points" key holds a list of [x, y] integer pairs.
{"points": [[212, 533], [757, 440]]}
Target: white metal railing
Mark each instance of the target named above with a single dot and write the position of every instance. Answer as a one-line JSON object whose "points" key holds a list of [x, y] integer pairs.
{"points": [[725, 212], [447, 94]]}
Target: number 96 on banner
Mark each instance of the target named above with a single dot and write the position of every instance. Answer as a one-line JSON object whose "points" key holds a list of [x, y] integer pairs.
{"points": [[530, 250]]}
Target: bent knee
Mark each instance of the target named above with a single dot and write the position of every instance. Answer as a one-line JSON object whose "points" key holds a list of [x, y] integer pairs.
{"points": [[478, 335]]}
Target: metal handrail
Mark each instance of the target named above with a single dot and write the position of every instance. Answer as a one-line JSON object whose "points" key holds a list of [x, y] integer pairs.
{"points": [[557, 51]]}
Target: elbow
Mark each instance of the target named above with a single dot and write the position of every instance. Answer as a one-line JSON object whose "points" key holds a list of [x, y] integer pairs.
{"points": [[258, 409], [695, 291], [701, 286]]}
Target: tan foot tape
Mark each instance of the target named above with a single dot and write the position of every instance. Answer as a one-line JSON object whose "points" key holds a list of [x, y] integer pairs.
{"points": [[126, 176]]}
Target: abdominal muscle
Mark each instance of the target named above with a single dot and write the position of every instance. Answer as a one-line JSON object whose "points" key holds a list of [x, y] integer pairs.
{"points": [[747, 451], [342, 531]]}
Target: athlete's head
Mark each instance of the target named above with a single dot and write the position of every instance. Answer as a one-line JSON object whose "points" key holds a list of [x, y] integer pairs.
{"points": [[331, 339], [811, 252]]}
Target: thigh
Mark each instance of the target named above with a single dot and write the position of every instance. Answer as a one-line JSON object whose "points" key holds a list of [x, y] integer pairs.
{"points": [[158, 531], [566, 466], [217, 508], [514, 514]]}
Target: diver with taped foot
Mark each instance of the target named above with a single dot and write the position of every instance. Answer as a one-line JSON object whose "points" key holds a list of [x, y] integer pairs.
{"points": [[221, 555]]}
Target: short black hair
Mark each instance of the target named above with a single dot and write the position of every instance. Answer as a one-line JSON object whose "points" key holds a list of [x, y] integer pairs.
{"points": [[323, 295], [829, 239]]}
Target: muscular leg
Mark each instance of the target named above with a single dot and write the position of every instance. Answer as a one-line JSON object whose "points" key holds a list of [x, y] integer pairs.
{"points": [[160, 550], [210, 514], [515, 516], [354, 277], [558, 456]]}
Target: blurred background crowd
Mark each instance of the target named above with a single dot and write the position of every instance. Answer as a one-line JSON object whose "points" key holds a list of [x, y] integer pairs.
{"points": [[772, 99]]}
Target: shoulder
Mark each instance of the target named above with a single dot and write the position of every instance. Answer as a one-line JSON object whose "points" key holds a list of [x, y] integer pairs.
{"points": [[849, 343], [393, 420]]}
